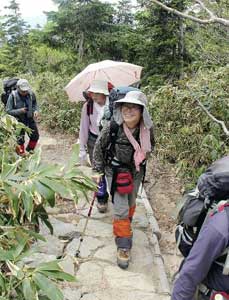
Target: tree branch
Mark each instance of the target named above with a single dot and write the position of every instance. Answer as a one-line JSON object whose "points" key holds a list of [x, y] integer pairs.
{"points": [[212, 19], [222, 124], [205, 8]]}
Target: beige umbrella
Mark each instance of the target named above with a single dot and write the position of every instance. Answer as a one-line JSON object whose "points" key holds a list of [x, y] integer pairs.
{"points": [[117, 72]]}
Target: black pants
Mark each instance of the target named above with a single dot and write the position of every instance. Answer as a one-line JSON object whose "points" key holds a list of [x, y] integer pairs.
{"points": [[33, 136]]}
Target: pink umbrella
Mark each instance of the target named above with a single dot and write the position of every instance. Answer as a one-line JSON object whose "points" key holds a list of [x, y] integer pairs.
{"points": [[117, 72]]}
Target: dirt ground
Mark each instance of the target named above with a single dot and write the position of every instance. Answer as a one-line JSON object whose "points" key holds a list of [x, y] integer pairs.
{"points": [[162, 188]]}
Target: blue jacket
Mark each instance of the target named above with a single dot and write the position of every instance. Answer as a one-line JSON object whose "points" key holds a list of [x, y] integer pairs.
{"points": [[199, 266]]}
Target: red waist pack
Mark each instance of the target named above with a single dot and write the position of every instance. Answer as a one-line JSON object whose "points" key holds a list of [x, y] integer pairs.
{"points": [[124, 183]]}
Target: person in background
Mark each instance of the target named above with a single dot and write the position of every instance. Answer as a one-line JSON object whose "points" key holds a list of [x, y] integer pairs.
{"points": [[201, 270], [22, 104], [120, 153], [91, 115]]}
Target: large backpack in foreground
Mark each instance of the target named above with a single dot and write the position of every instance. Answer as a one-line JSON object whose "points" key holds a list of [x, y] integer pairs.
{"points": [[212, 187], [8, 86]]}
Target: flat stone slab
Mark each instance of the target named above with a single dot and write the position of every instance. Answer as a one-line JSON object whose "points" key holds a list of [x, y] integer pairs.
{"points": [[95, 215], [87, 246], [52, 246], [71, 294], [59, 228], [114, 294], [95, 228]]}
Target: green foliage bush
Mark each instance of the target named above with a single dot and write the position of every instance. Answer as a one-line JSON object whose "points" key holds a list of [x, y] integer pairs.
{"points": [[27, 187], [57, 112], [185, 135]]}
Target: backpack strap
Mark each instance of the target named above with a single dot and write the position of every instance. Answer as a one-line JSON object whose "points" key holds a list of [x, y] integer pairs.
{"points": [[113, 132], [109, 151], [14, 94], [89, 107]]}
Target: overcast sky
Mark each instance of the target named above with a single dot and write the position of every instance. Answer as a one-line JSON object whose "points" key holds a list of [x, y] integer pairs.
{"points": [[32, 10]]}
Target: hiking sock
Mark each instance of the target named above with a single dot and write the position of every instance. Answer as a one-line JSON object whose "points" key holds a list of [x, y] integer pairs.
{"points": [[31, 145]]}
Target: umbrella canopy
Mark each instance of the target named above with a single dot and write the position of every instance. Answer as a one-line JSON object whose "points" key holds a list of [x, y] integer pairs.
{"points": [[116, 72]]}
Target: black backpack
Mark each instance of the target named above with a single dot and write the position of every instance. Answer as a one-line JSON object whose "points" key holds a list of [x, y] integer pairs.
{"points": [[117, 94], [212, 187], [114, 95], [8, 86]]}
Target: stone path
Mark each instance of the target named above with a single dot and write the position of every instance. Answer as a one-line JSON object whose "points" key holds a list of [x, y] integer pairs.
{"points": [[98, 276]]}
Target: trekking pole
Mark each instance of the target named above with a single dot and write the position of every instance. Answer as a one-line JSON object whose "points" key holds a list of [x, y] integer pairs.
{"points": [[85, 225]]}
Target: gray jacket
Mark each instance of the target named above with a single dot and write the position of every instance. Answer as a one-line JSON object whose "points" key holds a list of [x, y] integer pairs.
{"points": [[16, 102]]}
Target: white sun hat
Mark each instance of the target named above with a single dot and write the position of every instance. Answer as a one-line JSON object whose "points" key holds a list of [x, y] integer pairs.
{"points": [[23, 85], [99, 86], [134, 97]]}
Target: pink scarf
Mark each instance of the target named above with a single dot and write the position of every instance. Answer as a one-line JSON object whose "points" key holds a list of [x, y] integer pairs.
{"points": [[143, 148]]}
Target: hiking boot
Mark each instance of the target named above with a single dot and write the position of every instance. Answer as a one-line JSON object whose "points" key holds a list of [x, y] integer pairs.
{"points": [[123, 258], [102, 207]]}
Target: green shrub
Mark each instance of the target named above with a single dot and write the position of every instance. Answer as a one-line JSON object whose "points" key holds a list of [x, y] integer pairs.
{"points": [[185, 135], [57, 112]]}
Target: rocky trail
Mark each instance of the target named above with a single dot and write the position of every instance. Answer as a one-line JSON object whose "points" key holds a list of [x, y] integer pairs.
{"points": [[154, 259]]}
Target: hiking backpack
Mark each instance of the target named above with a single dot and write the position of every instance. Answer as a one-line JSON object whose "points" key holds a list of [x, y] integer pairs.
{"points": [[117, 94], [114, 95], [212, 187], [9, 85]]}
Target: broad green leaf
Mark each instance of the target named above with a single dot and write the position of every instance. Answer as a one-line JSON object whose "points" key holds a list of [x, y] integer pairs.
{"points": [[56, 185], [15, 270], [47, 193], [73, 173], [42, 297], [59, 275], [27, 199], [2, 282], [35, 235], [47, 287], [14, 184], [49, 170], [8, 169], [16, 251], [34, 161], [74, 157], [28, 290], [47, 223], [6, 255], [14, 201], [49, 266]]}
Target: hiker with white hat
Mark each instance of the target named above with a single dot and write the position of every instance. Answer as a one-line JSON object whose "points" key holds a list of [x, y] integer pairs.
{"points": [[91, 115], [120, 153], [90, 121]]}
